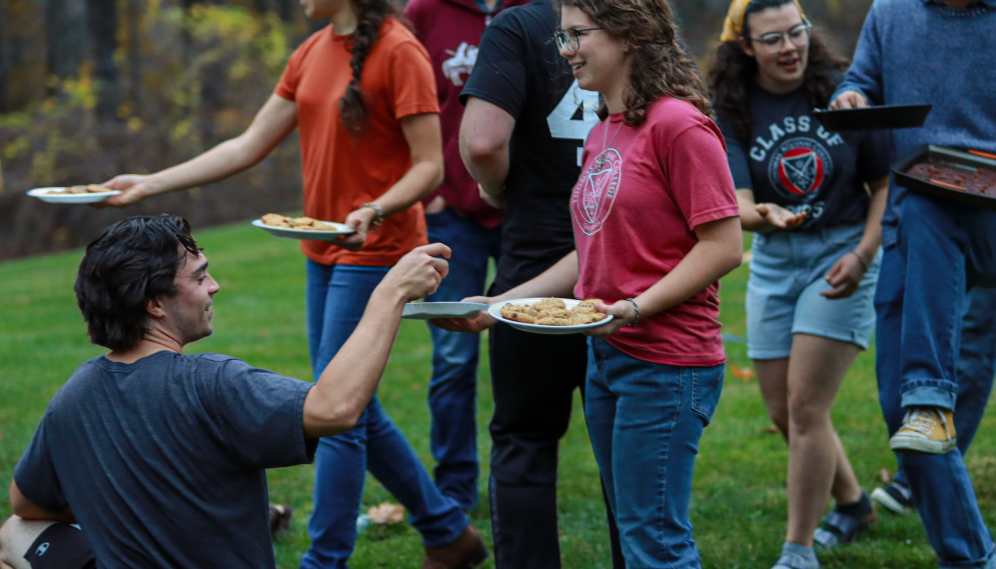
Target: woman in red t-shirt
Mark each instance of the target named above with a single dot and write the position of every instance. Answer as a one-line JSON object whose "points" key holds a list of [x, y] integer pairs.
{"points": [[656, 225], [362, 94]]}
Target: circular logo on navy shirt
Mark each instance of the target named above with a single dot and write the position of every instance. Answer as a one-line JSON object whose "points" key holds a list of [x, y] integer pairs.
{"points": [[799, 166]]}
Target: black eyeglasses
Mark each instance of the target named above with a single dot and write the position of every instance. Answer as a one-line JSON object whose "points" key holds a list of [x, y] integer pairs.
{"points": [[571, 38]]}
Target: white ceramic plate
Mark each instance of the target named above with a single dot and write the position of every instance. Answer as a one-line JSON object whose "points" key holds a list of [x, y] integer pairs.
{"points": [[304, 234], [45, 195], [427, 310], [495, 311]]}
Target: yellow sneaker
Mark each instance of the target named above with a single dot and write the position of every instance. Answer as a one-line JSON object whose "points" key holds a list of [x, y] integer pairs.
{"points": [[926, 429]]}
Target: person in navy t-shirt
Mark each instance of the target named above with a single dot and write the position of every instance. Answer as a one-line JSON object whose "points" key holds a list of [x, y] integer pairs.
{"points": [[160, 456], [802, 190]]}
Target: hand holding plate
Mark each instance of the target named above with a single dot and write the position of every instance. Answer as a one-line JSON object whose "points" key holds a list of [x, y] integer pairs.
{"points": [[474, 325], [623, 314], [358, 220], [133, 187]]}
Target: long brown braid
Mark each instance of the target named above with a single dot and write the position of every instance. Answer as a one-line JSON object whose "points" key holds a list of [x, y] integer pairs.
{"points": [[371, 14]]}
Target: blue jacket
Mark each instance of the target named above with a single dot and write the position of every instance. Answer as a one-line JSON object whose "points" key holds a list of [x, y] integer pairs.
{"points": [[923, 51]]}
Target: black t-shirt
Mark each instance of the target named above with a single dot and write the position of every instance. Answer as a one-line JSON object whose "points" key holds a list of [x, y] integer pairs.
{"points": [[519, 69], [791, 160], [162, 460]]}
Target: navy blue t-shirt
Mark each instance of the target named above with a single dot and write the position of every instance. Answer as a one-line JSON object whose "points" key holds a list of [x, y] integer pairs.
{"points": [[163, 460], [519, 69], [792, 161]]}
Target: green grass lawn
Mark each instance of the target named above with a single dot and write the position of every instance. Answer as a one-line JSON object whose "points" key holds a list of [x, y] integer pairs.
{"points": [[738, 500]]}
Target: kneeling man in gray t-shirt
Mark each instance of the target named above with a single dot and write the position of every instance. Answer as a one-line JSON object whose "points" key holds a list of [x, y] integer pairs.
{"points": [[161, 456]]}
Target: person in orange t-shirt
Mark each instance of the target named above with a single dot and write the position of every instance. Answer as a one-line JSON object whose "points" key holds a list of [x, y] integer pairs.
{"points": [[362, 92]]}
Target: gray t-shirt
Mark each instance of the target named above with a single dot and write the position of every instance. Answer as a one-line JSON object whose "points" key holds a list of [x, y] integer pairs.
{"points": [[163, 460]]}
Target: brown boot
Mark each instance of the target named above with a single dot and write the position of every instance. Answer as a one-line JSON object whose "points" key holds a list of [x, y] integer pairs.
{"points": [[464, 552]]}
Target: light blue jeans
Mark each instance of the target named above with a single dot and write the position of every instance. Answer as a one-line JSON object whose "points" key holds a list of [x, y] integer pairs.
{"points": [[783, 292], [453, 386], [336, 297], [645, 421]]}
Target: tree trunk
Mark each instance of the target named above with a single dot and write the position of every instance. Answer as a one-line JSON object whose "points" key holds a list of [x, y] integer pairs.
{"points": [[4, 61], [102, 16], [65, 22]]}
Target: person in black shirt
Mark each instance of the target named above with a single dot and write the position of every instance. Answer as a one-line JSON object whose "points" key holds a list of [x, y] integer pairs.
{"points": [[816, 253], [160, 456], [522, 138]]}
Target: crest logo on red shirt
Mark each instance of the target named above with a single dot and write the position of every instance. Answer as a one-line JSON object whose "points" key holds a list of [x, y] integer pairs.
{"points": [[799, 166], [596, 191]]}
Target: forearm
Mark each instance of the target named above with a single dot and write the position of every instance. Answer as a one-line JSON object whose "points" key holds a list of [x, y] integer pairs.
{"points": [[350, 380], [420, 180], [559, 280], [750, 220], [871, 240], [226, 159], [708, 261]]}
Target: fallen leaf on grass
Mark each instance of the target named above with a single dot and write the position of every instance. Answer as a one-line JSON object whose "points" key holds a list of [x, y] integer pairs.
{"points": [[771, 430], [886, 477], [744, 373], [386, 513]]}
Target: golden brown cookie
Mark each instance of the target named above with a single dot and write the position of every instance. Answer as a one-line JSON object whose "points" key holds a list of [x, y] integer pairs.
{"points": [[550, 302], [274, 219], [524, 309], [586, 318], [519, 317], [554, 313], [553, 321]]}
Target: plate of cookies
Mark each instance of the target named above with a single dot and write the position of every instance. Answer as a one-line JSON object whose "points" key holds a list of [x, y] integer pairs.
{"points": [[90, 193], [301, 227], [549, 315]]}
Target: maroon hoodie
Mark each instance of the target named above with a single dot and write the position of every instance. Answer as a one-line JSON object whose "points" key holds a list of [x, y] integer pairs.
{"points": [[451, 31]]}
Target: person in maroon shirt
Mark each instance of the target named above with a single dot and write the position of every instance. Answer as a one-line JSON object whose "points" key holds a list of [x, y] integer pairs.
{"points": [[456, 215]]}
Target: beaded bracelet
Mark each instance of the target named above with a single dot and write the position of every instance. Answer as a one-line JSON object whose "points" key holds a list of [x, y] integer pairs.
{"points": [[637, 309]]}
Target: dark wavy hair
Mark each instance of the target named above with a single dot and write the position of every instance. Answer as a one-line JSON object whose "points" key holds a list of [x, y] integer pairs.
{"points": [[733, 72], [130, 263], [370, 15], [660, 66]]}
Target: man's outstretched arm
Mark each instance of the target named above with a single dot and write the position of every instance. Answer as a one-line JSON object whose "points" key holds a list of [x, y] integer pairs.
{"points": [[350, 380]]}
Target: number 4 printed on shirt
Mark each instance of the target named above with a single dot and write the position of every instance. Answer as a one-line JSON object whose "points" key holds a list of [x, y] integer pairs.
{"points": [[574, 116]]}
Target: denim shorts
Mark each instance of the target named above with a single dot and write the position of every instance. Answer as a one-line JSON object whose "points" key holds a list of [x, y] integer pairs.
{"points": [[783, 292]]}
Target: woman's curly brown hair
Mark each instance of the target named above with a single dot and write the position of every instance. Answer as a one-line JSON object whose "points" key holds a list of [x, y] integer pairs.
{"points": [[370, 15], [733, 72], [660, 67]]}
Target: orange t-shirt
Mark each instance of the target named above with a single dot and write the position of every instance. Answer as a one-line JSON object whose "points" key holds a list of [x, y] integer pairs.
{"points": [[341, 173]]}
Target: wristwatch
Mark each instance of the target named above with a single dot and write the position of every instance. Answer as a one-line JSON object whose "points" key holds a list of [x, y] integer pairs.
{"points": [[378, 210]]}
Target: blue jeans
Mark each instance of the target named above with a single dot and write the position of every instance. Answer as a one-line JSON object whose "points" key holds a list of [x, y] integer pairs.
{"points": [[944, 249], [976, 367], [645, 421], [453, 386], [336, 297], [941, 486]]}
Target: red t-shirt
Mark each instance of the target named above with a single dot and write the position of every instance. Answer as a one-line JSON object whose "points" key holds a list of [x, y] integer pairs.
{"points": [[634, 218], [341, 173]]}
